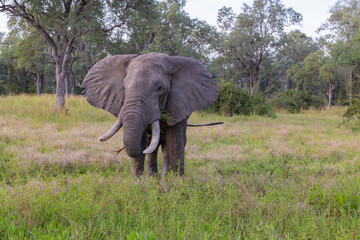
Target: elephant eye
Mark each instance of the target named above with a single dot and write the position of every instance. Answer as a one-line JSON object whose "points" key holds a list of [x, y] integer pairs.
{"points": [[159, 89]]}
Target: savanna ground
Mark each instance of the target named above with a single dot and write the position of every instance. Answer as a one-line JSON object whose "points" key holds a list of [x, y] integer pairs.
{"points": [[291, 177]]}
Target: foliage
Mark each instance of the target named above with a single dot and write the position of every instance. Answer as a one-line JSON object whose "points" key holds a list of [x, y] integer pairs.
{"points": [[344, 27], [261, 107], [294, 101], [61, 24], [13, 79], [343, 22], [255, 35], [233, 100], [317, 68], [138, 26], [306, 73], [351, 117], [167, 28]]}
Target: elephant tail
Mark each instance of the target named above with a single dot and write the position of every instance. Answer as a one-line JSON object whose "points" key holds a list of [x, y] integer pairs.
{"points": [[204, 125]]}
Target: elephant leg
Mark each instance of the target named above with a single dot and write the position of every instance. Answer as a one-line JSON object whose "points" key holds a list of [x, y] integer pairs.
{"points": [[166, 160], [175, 138], [151, 163], [137, 164]]}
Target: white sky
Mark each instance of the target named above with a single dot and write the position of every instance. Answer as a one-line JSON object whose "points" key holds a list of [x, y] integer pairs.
{"points": [[3, 21], [315, 12]]}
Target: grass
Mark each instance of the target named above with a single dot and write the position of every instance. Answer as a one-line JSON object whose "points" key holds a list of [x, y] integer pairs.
{"points": [[291, 177]]}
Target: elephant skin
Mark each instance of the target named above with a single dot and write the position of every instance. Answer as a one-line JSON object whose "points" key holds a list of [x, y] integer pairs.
{"points": [[145, 91]]}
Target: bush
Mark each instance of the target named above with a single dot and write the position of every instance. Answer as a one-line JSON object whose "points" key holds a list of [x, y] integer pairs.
{"points": [[233, 100], [294, 101], [261, 107], [351, 117]]}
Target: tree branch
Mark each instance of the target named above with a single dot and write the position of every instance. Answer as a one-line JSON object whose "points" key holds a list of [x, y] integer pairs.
{"points": [[20, 11], [113, 27]]}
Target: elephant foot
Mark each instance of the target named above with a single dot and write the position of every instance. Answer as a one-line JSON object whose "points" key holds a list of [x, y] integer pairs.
{"points": [[151, 163], [137, 166]]}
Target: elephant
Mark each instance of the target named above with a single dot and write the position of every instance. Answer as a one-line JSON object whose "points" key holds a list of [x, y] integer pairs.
{"points": [[152, 95]]}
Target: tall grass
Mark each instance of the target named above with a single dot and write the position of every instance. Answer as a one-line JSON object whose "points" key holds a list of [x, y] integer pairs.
{"points": [[293, 177], [41, 110]]}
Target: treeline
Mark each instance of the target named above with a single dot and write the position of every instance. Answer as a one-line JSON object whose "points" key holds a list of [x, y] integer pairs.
{"points": [[52, 44]]}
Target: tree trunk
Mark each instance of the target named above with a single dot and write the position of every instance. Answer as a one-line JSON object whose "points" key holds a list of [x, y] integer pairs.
{"points": [[62, 70], [288, 83], [72, 81], [251, 84], [60, 88], [351, 87], [329, 99], [87, 58], [39, 83], [67, 84]]}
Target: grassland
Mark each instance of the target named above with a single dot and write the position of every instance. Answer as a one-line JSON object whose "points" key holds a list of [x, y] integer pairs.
{"points": [[296, 176]]}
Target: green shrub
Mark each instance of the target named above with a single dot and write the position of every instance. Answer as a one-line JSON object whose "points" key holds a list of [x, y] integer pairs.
{"points": [[351, 117], [233, 100], [294, 101], [260, 106]]}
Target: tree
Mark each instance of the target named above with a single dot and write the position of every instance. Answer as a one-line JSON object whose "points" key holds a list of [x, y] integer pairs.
{"points": [[255, 35], [168, 28], [327, 78], [294, 48], [61, 23], [13, 79], [343, 22], [306, 74], [344, 26], [30, 54], [317, 69]]}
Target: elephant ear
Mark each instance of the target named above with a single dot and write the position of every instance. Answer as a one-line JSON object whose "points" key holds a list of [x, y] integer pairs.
{"points": [[192, 88], [103, 84]]}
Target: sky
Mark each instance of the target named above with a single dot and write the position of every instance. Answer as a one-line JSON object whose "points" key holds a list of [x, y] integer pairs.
{"points": [[3, 20], [314, 12]]}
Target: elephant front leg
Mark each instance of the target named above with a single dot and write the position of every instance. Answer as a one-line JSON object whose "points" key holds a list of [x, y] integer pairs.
{"points": [[151, 163], [137, 164], [166, 160], [174, 149]]}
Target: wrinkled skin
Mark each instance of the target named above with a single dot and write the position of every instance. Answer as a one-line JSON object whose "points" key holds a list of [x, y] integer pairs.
{"points": [[141, 90]]}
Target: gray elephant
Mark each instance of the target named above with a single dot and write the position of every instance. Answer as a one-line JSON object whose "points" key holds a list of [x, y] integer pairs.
{"points": [[152, 95]]}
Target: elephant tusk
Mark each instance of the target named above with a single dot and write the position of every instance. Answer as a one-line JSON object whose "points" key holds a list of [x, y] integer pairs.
{"points": [[155, 137], [111, 132]]}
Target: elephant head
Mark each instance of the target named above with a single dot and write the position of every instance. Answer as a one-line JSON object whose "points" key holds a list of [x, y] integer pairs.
{"points": [[137, 89]]}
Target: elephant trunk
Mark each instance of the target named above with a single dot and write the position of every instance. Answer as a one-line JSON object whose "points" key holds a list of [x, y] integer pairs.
{"points": [[134, 129], [136, 114]]}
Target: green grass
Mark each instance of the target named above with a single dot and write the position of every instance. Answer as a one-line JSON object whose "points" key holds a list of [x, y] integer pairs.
{"points": [[291, 177]]}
